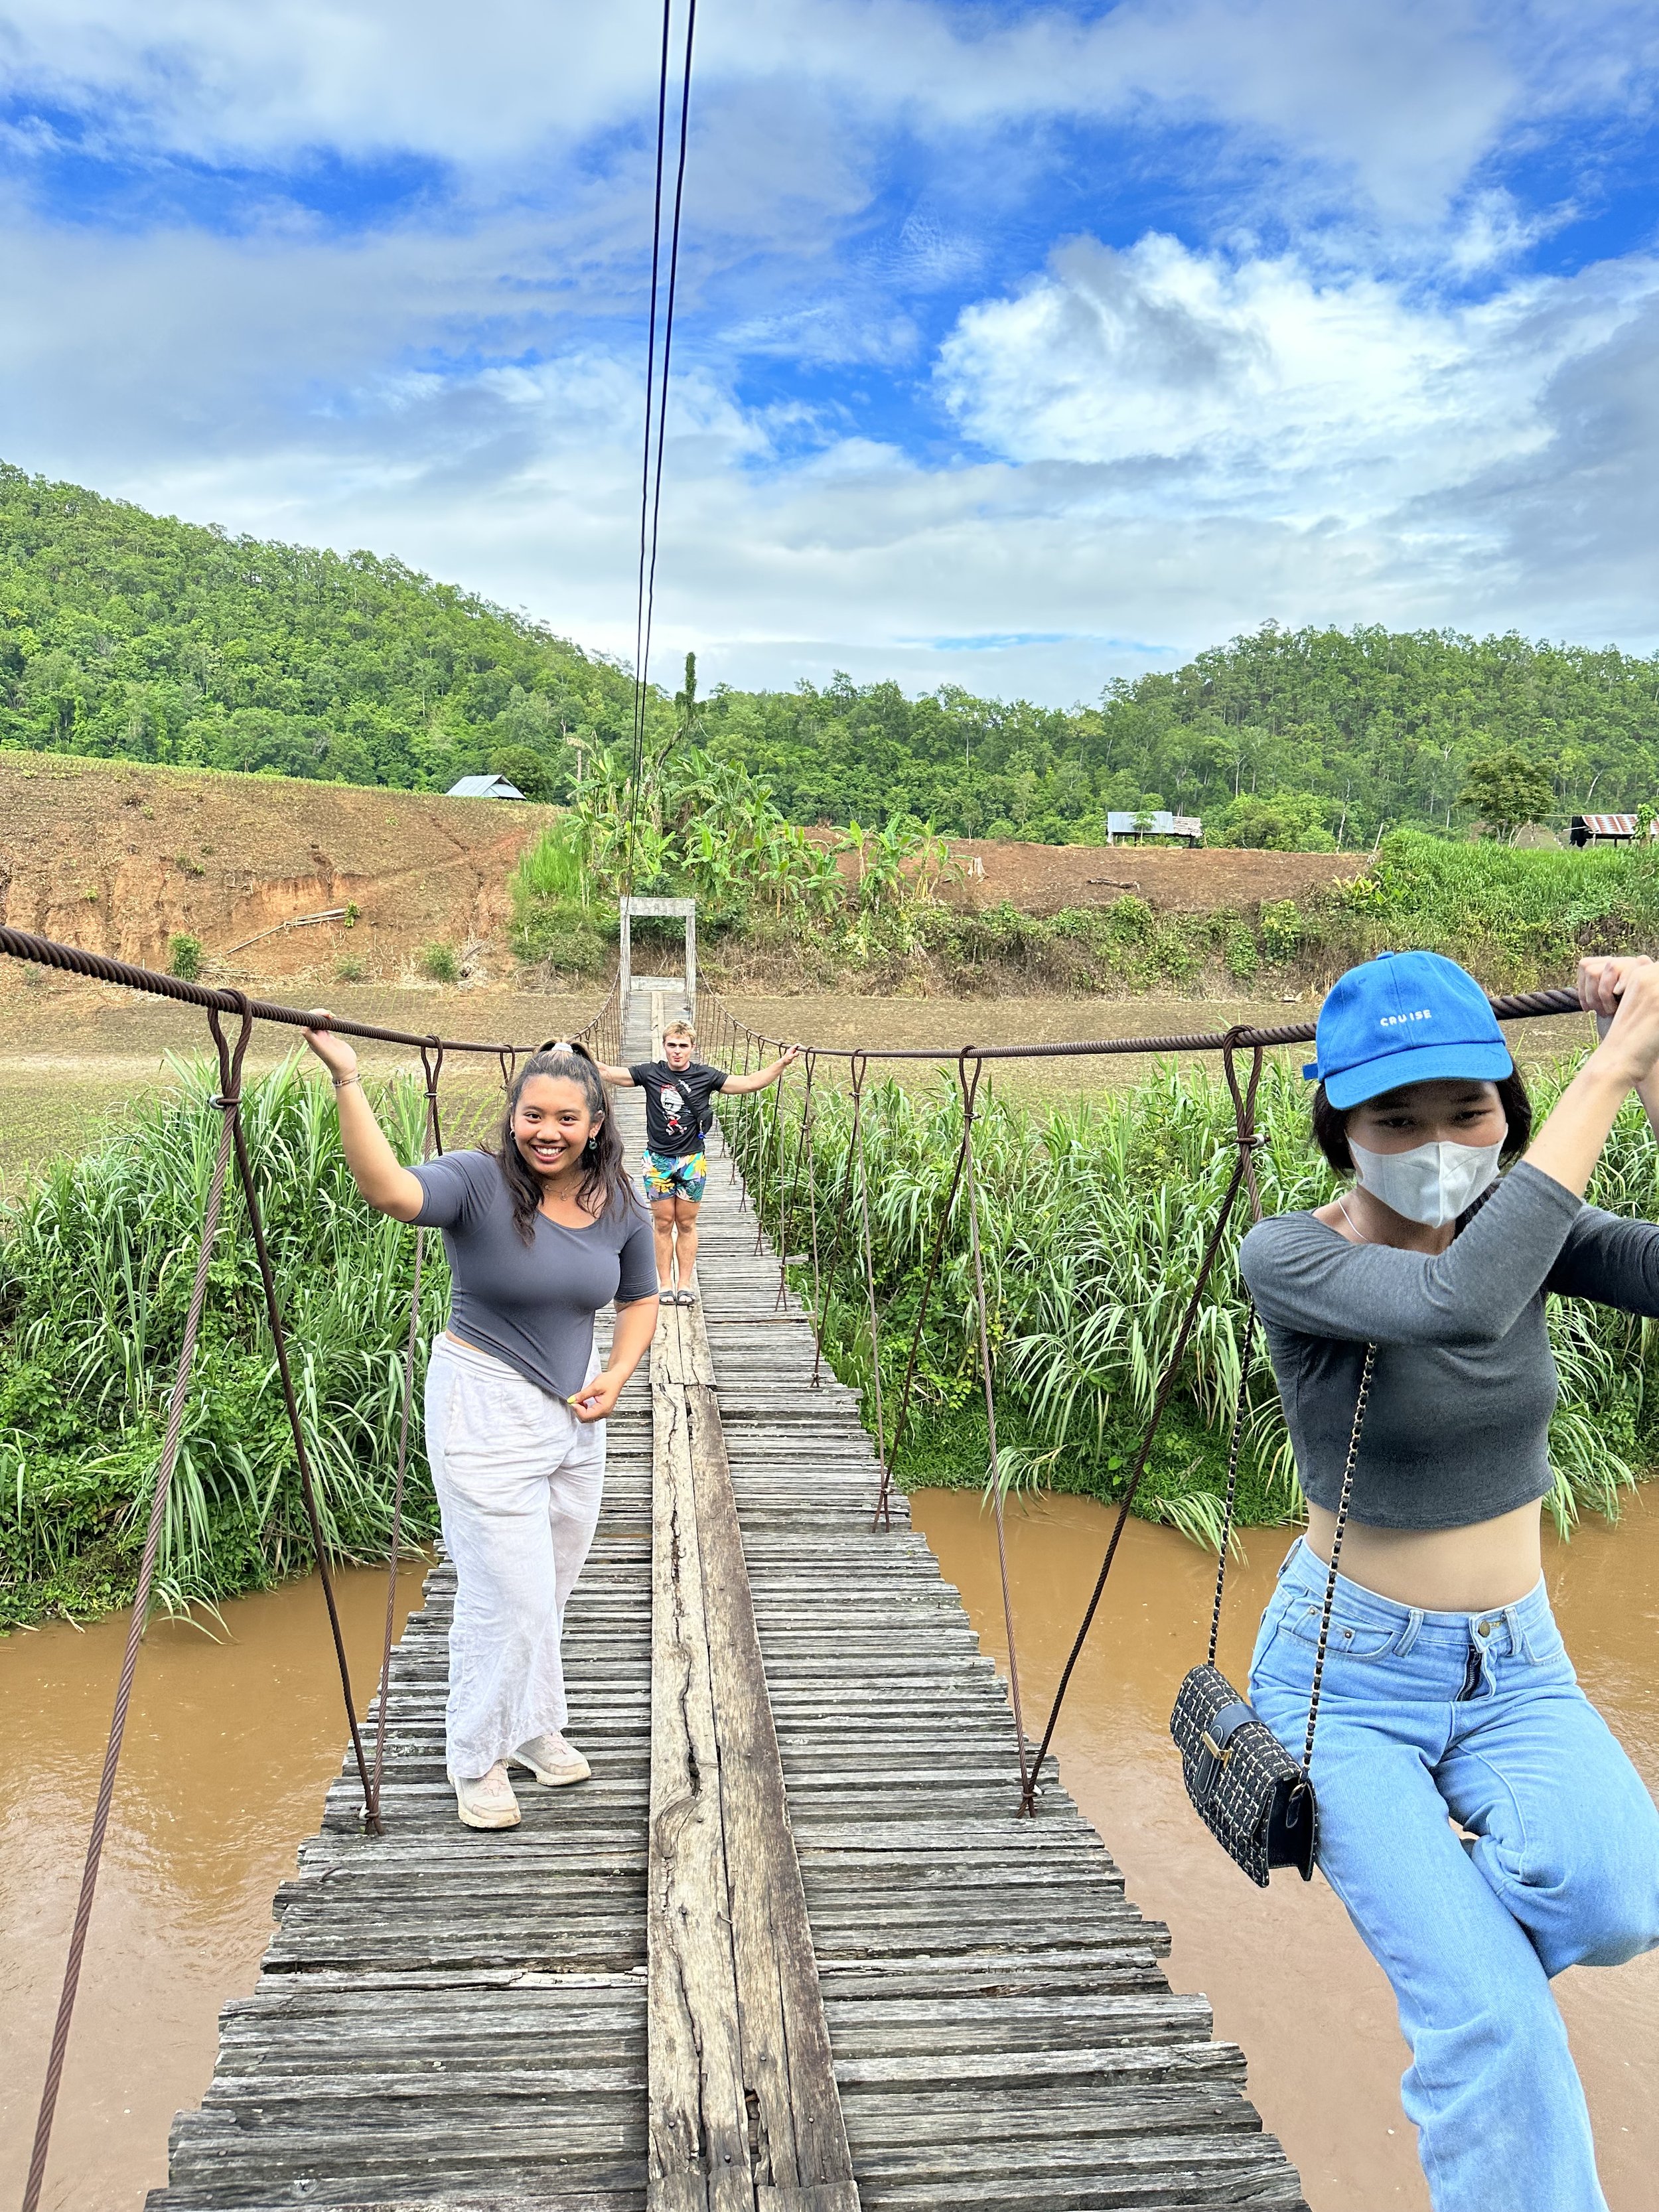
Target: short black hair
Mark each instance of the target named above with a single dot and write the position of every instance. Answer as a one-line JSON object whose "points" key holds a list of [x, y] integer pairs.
{"points": [[1330, 1123]]}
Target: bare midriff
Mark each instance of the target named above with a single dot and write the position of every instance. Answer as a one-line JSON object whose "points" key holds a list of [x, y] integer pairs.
{"points": [[1473, 1570]]}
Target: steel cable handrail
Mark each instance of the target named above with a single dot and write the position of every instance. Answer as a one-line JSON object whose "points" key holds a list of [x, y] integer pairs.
{"points": [[1518, 1006], [99, 967]]}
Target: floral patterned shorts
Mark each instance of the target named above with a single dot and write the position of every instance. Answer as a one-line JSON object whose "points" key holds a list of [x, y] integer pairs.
{"points": [[670, 1175]]}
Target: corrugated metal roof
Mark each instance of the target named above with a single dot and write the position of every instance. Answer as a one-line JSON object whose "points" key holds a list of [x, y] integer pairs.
{"points": [[483, 787]]}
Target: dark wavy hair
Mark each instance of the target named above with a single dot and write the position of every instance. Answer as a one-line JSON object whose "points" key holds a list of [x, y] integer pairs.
{"points": [[1330, 1123], [605, 1183]]}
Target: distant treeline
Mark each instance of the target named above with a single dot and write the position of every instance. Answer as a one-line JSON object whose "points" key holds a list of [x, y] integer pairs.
{"points": [[126, 634]]}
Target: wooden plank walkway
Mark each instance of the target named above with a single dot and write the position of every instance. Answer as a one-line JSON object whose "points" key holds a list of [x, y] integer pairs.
{"points": [[446, 2018]]}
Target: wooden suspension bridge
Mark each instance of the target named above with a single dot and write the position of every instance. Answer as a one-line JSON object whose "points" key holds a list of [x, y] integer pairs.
{"points": [[790, 1949]]}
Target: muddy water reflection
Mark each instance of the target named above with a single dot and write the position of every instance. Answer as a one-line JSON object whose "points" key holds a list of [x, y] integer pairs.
{"points": [[1289, 1979], [229, 1748]]}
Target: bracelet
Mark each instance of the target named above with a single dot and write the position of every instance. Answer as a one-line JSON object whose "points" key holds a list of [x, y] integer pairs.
{"points": [[340, 1082]]}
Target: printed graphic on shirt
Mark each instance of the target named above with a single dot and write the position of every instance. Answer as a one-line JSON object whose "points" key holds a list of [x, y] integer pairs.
{"points": [[677, 1109]]}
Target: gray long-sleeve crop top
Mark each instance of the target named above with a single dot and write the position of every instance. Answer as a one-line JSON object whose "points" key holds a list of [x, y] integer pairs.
{"points": [[1457, 1428]]}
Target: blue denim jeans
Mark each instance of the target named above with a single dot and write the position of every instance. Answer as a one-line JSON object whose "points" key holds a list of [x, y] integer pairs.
{"points": [[1477, 1716]]}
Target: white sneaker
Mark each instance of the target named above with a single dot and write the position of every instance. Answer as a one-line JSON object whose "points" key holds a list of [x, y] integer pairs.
{"points": [[552, 1761], [487, 1802]]}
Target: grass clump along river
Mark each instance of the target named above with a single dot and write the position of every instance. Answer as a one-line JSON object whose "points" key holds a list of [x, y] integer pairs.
{"points": [[1093, 1218], [1093, 1222], [95, 1266]]}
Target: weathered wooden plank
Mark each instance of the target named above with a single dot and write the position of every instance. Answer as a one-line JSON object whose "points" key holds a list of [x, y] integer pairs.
{"points": [[796, 2139], [698, 2120], [799, 2137]]}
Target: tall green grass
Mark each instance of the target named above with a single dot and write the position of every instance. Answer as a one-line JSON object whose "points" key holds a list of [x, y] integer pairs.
{"points": [[95, 1267], [1517, 918], [1093, 1220]]}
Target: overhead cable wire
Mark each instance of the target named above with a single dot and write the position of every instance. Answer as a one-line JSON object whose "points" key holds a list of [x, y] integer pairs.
{"points": [[656, 406], [638, 745]]}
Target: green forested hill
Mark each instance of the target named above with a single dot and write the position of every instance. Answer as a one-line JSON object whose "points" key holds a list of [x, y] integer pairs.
{"points": [[1285, 737], [126, 633], [123, 633]]}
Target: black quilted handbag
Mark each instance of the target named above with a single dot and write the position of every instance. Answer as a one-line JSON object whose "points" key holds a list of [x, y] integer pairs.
{"points": [[1250, 1794]]}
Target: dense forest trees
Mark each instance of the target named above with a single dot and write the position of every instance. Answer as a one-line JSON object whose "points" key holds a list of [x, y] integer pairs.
{"points": [[125, 633]]}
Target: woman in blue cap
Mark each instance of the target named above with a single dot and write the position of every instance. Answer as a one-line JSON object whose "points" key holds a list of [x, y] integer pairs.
{"points": [[1447, 1696]]}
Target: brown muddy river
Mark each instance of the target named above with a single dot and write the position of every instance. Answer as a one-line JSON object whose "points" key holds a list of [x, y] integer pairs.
{"points": [[229, 1748], [231, 1745]]}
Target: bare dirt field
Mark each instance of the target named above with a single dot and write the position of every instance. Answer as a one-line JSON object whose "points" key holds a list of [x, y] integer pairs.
{"points": [[74, 1054], [117, 857], [1044, 878]]}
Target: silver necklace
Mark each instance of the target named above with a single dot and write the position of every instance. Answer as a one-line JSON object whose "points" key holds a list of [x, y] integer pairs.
{"points": [[1360, 1236]]}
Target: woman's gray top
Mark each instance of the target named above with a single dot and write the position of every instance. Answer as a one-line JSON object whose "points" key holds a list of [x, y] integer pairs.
{"points": [[531, 1305], [1457, 1428]]}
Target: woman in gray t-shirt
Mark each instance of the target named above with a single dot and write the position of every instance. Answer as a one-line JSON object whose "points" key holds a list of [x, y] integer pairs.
{"points": [[1477, 1816], [540, 1235]]}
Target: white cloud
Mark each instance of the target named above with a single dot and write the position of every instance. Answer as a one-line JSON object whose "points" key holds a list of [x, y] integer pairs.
{"points": [[1404, 99], [1254, 385]]}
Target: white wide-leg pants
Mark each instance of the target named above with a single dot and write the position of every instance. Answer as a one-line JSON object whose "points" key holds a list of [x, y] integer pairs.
{"points": [[518, 1479]]}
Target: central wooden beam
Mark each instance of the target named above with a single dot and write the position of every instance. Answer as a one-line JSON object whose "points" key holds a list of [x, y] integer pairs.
{"points": [[744, 2114]]}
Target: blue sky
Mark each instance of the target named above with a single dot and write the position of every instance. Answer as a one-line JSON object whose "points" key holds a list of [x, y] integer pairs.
{"points": [[1021, 346]]}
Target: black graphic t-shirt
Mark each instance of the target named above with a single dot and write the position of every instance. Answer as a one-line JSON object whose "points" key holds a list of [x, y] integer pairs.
{"points": [[676, 1104]]}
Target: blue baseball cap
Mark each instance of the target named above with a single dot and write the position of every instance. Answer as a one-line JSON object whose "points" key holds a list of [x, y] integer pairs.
{"points": [[1405, 1018]]}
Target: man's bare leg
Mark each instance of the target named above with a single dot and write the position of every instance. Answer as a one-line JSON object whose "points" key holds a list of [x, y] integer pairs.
{"points": [[662, 1236], [685, 1228]]}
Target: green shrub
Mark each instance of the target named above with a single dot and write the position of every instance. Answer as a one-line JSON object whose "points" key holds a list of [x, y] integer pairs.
{"points": [[1243, 954], [185, 957], [438, 962], [1283, 931], [348, 971]]}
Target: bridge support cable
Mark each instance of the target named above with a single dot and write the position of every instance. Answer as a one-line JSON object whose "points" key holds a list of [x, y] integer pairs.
{"points": [[99, 967], [1243, 1174], [296, 1425], [856, 1165], [230, 1082], [432, 1062], [1028, 1772]]}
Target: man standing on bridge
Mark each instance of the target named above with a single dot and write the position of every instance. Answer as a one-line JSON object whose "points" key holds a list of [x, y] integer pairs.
{"points": [[677, 1117]]}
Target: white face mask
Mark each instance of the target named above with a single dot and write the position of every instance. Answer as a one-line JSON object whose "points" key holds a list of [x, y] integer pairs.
{"points": [[1431, 1183]]}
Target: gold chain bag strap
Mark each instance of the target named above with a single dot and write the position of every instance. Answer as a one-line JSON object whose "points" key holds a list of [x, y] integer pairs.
{"points": [[1254, 1799]]}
